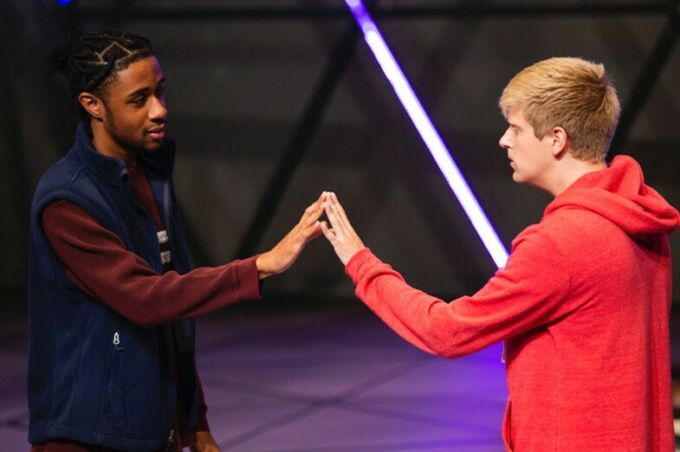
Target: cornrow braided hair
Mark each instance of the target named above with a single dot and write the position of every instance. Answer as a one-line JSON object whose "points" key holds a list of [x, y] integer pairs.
{"points": [[91, 61]]}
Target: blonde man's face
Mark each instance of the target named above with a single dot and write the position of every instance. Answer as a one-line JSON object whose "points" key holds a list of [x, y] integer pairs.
{"points": [[530, 157]]}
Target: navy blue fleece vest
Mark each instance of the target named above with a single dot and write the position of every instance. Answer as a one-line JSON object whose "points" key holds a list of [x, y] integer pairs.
{"points": [[95, 377]]}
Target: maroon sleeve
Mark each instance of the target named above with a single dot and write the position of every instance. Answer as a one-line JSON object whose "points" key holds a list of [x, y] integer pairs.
{"points": [[97, 261]]}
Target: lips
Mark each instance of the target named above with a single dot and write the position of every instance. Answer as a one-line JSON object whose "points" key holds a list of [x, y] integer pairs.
{"points": [[157, 133]]}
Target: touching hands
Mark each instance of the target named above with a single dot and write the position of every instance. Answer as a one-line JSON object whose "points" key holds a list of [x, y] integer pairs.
{"points": [[340, 234], [285, 253], [338, 231]]}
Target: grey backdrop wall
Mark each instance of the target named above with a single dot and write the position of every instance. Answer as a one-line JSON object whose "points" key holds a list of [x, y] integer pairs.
{"points": [[239, 82]]}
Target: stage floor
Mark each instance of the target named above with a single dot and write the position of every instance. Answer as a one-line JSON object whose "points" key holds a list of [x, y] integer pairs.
{"points": [[315, 380]]}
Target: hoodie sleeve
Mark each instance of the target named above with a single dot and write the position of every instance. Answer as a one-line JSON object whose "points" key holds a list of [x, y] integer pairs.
{"points": [[527, 293]]}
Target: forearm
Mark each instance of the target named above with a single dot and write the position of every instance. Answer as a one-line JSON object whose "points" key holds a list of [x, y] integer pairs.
{"points": [[509, 304], [148, 298], [98, 263], [423, 320], [529, 292]]}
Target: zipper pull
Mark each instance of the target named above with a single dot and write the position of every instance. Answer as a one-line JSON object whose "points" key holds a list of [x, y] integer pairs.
{"points": [[116, 342]]}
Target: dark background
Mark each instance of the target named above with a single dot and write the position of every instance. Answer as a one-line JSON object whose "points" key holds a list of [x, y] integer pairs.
{"points": [[273, 101]]}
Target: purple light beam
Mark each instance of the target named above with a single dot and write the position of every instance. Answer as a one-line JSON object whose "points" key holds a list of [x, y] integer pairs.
{"points": [[428, 133]]}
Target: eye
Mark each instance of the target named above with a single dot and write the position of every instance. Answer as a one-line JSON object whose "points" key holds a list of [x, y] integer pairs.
{"points": [[138, 101]]}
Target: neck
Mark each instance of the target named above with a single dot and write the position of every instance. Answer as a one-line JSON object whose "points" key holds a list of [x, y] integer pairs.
{"points": [[569, 170], [106, 145]]}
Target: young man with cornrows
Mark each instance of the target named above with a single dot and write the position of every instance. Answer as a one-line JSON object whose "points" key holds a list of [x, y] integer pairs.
{"points": [[112, 293]]}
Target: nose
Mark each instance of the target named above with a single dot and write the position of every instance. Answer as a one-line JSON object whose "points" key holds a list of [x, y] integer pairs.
{"points": [[158, 111], [504, 141]]}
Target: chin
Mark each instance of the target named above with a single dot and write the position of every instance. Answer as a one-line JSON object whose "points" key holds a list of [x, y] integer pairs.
{"points": [[152, 147]]}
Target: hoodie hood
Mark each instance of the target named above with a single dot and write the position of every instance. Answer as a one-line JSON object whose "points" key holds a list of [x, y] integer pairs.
{"points": [[619, 194]]}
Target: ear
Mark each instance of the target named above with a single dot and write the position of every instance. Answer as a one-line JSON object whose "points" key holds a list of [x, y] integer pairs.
{"points": [[92, 104], [559, 141]]}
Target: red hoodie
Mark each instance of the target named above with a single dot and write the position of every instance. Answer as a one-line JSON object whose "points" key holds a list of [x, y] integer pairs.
{"points": [[583, 304]]}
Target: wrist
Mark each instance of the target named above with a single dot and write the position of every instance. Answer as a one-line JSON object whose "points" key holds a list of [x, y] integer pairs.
{"points": [[262, 265], [355, 255]]}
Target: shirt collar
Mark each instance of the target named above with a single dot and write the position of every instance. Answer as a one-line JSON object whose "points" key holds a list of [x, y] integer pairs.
{"points": [[114, 170]]}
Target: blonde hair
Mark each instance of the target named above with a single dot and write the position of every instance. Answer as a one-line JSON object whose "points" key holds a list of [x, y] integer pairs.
{"points": [[571, 93]]}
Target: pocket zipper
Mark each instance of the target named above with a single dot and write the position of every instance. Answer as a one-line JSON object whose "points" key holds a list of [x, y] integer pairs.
{"points": [[116, 342]]}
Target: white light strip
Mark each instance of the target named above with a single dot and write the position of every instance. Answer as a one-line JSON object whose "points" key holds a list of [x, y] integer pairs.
{"points": [[428, 133]]}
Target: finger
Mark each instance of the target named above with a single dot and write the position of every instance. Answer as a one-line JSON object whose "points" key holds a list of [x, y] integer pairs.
{"points": [[312, 208], [315, 233], [312, 231], [342, 215], [312, 212], [328, 232], [335, 205], [341, 220], [333, 218], [312, 217], [341, 210], [319, 200], [316, 215]]}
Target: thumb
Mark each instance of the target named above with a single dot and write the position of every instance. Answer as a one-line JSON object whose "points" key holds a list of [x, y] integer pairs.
{"points": [[327, 232]]}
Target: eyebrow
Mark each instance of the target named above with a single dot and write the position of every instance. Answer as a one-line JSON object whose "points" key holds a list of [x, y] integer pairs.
{"points": [[145, 91]]}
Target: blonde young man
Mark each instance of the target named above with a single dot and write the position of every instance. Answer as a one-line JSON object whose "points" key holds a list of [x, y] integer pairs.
{"points": [[583, 301]]}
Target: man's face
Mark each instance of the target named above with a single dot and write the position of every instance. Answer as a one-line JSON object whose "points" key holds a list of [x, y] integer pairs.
{"points": [[135, 110], [530, 158]]}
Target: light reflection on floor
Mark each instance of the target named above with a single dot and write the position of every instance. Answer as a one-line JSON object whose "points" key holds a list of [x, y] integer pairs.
{"points": [[316, 381]]}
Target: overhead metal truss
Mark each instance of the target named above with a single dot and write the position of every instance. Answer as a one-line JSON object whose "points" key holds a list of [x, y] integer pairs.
{"points": [[460, 11], [127, 11]]}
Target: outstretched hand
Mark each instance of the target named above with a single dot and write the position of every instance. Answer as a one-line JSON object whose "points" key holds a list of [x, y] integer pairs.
{"points": [[285, 253], [340, 234]]}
